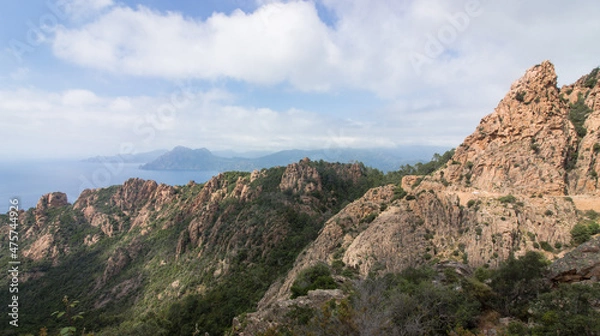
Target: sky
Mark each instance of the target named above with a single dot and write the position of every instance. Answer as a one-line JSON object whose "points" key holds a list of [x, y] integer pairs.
{"points": [[80, 78]]}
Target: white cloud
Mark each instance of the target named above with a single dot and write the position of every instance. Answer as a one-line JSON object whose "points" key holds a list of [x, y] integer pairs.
{"points": [[81, 123], [274, 44], [469, 62], [372, 45], [79, 98]]}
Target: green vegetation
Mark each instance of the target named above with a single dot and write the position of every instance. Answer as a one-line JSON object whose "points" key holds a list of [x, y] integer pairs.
{"points": [[592, 79], [70, 317], [583, 231], [315, 277], [578, 114], [436, 162], [520, 96], [179, 279], [399, 193], [507, 199], [546, 246], [425, 301], [138, 297]]}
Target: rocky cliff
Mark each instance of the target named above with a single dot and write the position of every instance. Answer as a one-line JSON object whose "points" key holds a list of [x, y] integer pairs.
{"points": [[141, 248], [515, 185]]}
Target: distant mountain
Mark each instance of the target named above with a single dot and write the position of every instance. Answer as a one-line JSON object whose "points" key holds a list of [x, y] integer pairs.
{"points": [[129, 158], [385, 159]]}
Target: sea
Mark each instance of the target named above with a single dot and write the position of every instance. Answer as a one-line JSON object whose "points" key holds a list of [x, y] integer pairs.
{"points": [[28, 181]]}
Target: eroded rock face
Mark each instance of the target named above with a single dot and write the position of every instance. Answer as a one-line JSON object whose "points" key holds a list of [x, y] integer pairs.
{"points": [[522, 146], [259, 322], [583, 178], [52, 200], [120, 258], [301, 177], [49, 201], [339, 232], [380, 233], [583, 263], [502, 193]]}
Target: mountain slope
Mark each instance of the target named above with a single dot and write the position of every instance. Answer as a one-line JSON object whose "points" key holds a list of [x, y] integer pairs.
{"points": [[508, 189], [137, 256]]}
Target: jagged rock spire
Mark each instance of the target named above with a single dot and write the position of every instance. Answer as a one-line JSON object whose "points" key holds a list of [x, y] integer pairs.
{"points": [[522, 146]]}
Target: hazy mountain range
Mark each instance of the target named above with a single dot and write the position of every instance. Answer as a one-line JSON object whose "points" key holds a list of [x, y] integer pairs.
{"points": [[202, 159]]}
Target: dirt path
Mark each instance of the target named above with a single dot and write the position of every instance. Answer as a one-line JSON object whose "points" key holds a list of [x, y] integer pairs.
{"points": [[582, 202]]}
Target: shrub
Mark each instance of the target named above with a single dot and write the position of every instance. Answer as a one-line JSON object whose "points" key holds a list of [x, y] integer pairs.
{"points": [[507, 199], [301, 314], [591, 214], [338, 266], [580, 233], [399, 193], [520, 96], [370, 217], [569, 308], [518, 281], [546, 246], [470, 203], [594, 228], [315, 277], [548, 213], [578, 114], [591, 79], [596, 148]]}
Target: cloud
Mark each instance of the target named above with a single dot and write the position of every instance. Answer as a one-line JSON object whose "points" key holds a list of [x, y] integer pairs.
{"points": [[276, 43], [371, 45], [82, 123], [432, 71]]}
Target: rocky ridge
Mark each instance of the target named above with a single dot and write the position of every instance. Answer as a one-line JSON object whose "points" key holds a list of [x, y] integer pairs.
{"points": [[508, 189], [154, 244]]}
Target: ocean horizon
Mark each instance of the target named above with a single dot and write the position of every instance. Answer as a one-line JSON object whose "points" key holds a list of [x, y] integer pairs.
{"points": [[29, 180]]}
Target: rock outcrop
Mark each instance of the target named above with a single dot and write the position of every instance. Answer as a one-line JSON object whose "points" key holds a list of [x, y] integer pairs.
{"points": [[301, 177], [52, 200], [523, 145], [505, 191], [581, 264], [585, 95]]}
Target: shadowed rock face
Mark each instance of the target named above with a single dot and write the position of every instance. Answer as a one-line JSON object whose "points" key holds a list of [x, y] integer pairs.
{"points": [[583, 263]]}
